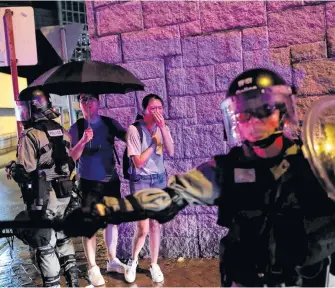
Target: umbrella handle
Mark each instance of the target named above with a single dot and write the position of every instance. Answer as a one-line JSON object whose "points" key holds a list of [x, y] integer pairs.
{"points": [[89, 124]]}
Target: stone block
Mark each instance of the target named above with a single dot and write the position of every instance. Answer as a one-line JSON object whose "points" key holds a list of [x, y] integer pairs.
{"points": [[125, 115], [151, 43], [277, 59], [298, 26], [182, 107], [177, 166], [106, 49], [175, 247], [330, 12], [191, 28], [120, 100], [207, 221], [212, 49], [200, 210], [181, 226], [209, 240], [222, 15], [304, 104], [314, 77], [173, 62], [169, 13], [255, 38], [199, 161], [191, 81], [203, 140], [176, 130], [331, 41], [302, 52], [274, 6], [119, 23], [208, 108], [146, 69], [104, 3], [225, 73], [127, 229]]}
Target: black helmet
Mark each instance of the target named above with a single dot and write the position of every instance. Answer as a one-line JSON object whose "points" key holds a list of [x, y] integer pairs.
{"points": [[34, 104], [259, 92]]}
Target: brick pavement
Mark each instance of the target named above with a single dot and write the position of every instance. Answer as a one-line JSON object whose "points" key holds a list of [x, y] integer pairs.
{"points": [[19, 270]]}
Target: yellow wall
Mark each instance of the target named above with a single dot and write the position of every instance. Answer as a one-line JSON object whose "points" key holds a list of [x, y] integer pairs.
{"points": [[6, 91], [7, 125]]}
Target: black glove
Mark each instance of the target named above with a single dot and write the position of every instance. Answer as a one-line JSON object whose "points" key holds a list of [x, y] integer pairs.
{"points": [[9, 169], [82, 222]]}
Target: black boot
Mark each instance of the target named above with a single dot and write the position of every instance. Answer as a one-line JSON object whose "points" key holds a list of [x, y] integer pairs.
{"points": [[71, 277]]}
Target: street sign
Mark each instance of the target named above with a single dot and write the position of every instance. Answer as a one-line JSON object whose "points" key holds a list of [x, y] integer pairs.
{"points": [[24, 36], [72, 34]]}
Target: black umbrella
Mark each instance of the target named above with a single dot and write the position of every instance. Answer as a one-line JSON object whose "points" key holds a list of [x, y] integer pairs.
{"points": [[85, 77]]}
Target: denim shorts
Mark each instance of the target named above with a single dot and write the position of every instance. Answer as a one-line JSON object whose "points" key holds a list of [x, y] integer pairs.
{"points": [[148, 181]]}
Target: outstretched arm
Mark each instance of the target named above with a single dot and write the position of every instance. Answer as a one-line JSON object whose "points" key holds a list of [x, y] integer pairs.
{"points": [[196, 187]]}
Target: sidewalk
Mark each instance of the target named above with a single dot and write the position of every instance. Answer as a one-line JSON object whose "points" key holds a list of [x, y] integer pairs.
{"points": [[20, 270]]}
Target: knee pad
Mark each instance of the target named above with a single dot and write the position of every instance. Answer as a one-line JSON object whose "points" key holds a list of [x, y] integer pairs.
{"points": [[67, 262]]}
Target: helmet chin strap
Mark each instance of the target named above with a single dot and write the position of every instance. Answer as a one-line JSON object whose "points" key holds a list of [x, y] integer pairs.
{"points": [[265, 143]]}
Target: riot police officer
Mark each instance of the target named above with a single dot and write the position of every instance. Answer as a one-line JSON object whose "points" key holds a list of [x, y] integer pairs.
{"points": [[266, 193], [42, 170]]}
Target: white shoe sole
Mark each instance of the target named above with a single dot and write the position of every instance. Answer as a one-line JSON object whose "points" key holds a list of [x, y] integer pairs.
{"points": [[129, 280], [99, 283], [117, 270], [160, 281]]}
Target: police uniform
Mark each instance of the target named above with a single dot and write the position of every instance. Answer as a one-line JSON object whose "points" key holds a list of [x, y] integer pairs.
{"points": [[280, 219], [42, 171]]}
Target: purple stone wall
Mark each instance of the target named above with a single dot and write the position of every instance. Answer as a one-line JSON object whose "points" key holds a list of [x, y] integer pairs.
{"points": [[188, 52]]}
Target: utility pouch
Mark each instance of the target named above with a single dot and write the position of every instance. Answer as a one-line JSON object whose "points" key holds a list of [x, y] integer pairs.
{"points": [[62, 186]]}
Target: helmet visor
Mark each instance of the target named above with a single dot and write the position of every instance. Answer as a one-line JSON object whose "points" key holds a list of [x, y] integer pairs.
{"points": [[22, 111], [258, 103]]}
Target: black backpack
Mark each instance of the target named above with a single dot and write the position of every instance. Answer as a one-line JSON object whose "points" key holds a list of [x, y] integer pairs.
{"points": [[126, 161]]}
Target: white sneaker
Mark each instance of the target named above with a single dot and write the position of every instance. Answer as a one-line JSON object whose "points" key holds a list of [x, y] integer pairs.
{"points": [[95, 276], [130, 271], [156, 273], [115, 265]]}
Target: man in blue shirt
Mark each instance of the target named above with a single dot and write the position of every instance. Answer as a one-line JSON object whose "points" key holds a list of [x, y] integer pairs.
{"points": [[98, 176]]}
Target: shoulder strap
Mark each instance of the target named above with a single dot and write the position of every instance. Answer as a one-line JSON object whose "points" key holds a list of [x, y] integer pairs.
{"points": [[80, 127], [109, 123], [137, 124]]}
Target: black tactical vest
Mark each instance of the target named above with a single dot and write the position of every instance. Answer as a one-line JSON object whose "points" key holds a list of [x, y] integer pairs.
{"points": [[267, 217]]}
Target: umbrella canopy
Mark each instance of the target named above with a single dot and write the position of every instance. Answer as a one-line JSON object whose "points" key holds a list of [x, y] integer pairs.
{"points": [[85, 77]]}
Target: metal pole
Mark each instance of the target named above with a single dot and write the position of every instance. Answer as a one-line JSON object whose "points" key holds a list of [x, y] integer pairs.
{"points": [[65, 60], [61, 110], [12, 58]]}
